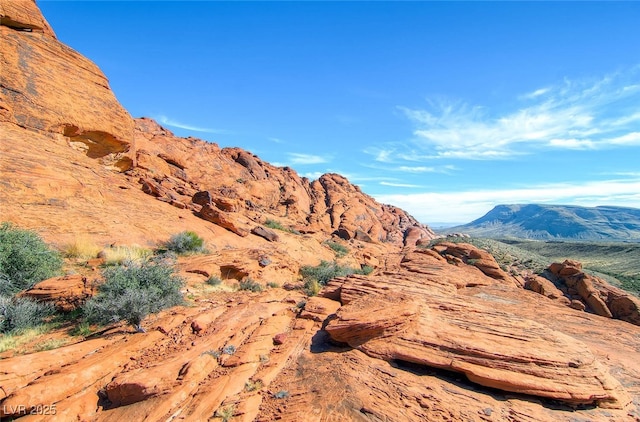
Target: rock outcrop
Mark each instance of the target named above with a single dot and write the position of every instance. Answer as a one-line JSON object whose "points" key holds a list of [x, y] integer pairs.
{"points": [[48, 87], [66, 293], [597, 295]]}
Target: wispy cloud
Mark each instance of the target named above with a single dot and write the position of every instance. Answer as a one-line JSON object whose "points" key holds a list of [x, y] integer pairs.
{"points": [[276, 140], [304, 159], [594, 114], [400, 185], [174, 123], [465, 206]]}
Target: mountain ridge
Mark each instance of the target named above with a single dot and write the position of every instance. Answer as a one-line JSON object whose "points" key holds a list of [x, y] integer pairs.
{"points": [[556, 222]]}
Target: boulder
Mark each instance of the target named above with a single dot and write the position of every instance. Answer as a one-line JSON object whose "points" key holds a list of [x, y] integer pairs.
{"points": [[222, 219], [66, 293], [265, 233]]}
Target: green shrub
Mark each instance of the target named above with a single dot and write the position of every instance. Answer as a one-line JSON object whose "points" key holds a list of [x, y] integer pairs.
{"points": [[18, 313], [325, 271], [316, 277], [250, 285], [214, 281], [340, 250], [24, 260], [185, 243], [225, 413], [273, 224], [131, 292]]}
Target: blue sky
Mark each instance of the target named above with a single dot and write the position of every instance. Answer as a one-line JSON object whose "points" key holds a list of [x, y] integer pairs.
{"points": [[442, 108]]}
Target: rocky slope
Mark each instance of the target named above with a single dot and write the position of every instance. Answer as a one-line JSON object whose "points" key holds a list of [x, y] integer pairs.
{"points": [[556, 222], [433, 334]]}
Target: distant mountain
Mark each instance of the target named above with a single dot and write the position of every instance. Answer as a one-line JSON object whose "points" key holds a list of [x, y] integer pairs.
{"points": [[555, 222]]}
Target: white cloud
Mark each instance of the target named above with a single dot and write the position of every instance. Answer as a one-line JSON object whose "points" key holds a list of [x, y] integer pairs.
{"points": [[276, 140], [174, 123], [399, 185], [598, 114], [465, 206], [303, 159]]}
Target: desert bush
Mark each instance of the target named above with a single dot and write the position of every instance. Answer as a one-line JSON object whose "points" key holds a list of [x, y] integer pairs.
{"points": [[214, 281], [186, 242], [282, 394], [133, 291], [225, 413], [316, 277], [340, 250], [18, 314], [24, 259], [229, 349], [250, 285], [252, 385], [325, 271]]}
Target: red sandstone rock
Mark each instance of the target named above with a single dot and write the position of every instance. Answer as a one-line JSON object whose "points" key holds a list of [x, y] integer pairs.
{"points": [[51, 88], [599, 296], [67, 293]]}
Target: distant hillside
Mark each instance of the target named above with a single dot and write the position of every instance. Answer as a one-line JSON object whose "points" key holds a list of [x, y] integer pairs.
{"points": [[556, 222]]}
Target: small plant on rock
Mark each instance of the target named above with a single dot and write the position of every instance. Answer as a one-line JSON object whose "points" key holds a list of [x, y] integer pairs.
{"points": [[250, 285], [229, 349], [214, 281], [184, 243], [252, 385], [226, 413], [282, 394], [340, 250]]}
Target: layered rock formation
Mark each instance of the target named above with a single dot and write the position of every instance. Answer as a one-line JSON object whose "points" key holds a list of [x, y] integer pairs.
{"points": [[434, 334]]}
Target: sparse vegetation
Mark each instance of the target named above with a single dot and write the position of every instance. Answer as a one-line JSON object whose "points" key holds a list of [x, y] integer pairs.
{"points": [[118, 255], [226, 413], [213, 353], [340, 250], [24, 260], [83, 329], [82, 248], [282, 394], [273, 224], [18, 314], [229, 349], [133, 291], [252, 385], [15, 339], [273, 285], [250, 285], [186, 242], [50, 344], [316, 277], [214, 281]]}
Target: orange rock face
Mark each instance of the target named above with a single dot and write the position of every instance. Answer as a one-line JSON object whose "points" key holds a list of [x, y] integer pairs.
{"points": [[46, 86], [67, 293]]}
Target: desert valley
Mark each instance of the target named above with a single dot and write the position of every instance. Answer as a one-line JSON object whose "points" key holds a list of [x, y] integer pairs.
{"points": [[294, 299]]}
